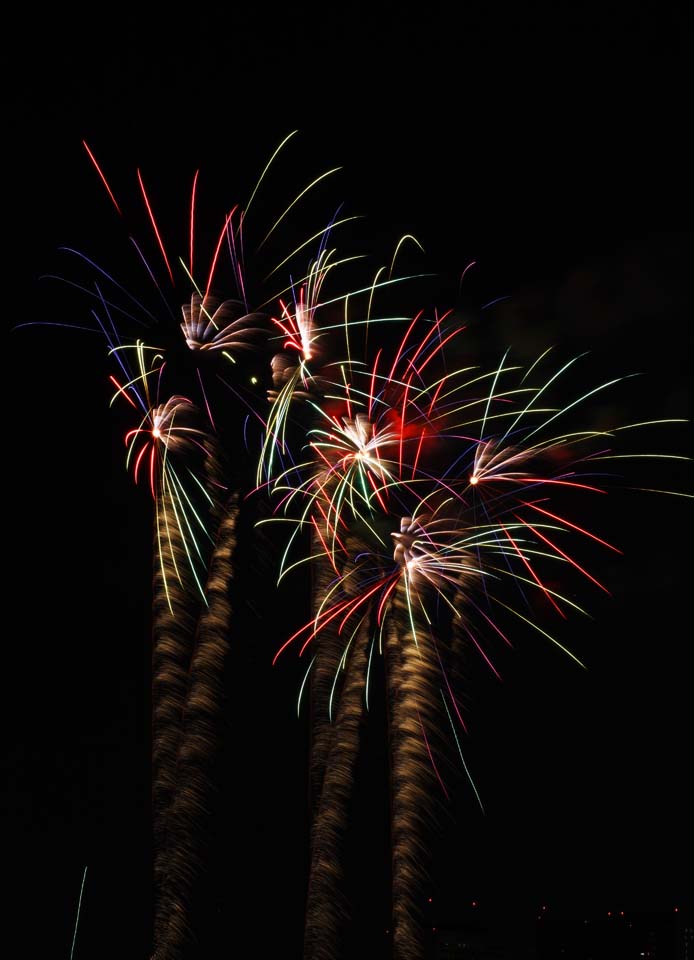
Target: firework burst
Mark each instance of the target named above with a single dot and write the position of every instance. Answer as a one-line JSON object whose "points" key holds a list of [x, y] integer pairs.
{"points": [[435, 502], [471, 476]]}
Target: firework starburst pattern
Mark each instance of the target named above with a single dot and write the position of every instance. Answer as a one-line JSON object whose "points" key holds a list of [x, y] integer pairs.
{"points": [[442, 510]]}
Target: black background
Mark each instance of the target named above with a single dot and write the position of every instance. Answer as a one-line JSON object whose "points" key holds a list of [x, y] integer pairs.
{"points": [[552, 153]]}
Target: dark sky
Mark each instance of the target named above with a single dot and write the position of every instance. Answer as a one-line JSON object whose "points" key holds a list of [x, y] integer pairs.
{"points": [[552, 154]]}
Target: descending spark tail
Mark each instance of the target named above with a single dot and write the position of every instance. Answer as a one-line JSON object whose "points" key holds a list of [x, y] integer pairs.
{"points": [[412, 691], [329, 651], [197, 750], [326, 906], [172, 640]]}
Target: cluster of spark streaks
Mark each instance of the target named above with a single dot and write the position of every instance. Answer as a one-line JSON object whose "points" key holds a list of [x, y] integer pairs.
{"points": [[434, 500], [211, 325], [192, 449], [168, 437], [438, 500], [292, 378]]}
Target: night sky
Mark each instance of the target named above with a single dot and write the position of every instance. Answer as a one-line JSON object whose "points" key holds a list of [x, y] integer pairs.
{"points": [[552, 154]]}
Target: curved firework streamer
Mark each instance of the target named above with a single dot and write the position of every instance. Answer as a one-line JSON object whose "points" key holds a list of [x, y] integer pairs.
{"points": [[163, 440], [291, 375], [300, 370], [211, 324]]}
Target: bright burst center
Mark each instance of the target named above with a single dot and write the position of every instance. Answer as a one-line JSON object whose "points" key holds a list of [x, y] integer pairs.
{"points": [[304, 326]]}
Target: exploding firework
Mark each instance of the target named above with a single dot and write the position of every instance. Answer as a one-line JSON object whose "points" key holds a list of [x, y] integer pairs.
{"points": [[439, 505], [212, 326], [440, 498]]}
